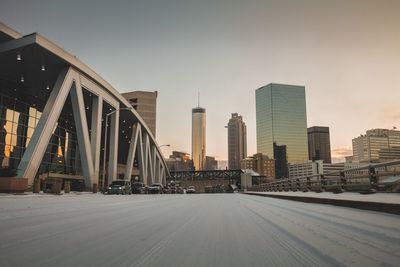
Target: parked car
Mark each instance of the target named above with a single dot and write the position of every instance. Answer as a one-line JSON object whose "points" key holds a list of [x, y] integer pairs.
{"points": [[166, 190], [180, 190], [156, 188], [139, 188], [191, 190], [120, 187]]}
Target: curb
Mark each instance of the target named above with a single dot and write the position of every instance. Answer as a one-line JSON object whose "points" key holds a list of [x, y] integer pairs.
{"points": [[363, 205]]}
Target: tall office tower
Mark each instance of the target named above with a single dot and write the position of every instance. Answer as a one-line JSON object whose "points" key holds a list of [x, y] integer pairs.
{"points": [[377, 145], [199, 138], [281, 119], [237, 141], [319, 144], [145, 104]]}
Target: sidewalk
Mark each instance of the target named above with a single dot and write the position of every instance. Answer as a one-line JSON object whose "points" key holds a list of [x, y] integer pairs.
{"points": [[382, 202], [41, 194]]}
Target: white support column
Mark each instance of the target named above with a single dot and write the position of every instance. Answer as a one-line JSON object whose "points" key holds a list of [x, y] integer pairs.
{"points": [[132, 150], [149, 159], [157, 172], [36, 149], [95, 134], [154, 165], [82, 132], [142, 159], [162, 176], [113, 146]]}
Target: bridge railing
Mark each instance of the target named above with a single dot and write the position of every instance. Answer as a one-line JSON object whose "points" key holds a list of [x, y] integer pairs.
{"points": [[360, 179]]}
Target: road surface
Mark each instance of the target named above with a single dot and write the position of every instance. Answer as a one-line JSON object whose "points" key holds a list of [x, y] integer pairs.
{"points": [[191, 230]]}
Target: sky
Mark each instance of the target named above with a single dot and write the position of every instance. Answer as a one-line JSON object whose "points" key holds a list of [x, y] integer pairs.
{"points": [[345, 52]]}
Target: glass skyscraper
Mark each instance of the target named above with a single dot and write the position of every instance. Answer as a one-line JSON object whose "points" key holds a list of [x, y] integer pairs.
{"points": [[281, 119]]}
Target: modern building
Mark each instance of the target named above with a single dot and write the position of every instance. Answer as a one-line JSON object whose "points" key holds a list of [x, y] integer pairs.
{"points": [[319, 144], [333, 168], [179, 161], [261, 164], [281, 119], [237, 141], [199, 138], [59, 120], [377, 145], [281, 164], [222, 164], [305, 169], [211, 164], [145, 103]]}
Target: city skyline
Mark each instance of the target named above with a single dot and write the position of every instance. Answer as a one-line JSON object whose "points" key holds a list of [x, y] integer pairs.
{"points": [[344, 53]]}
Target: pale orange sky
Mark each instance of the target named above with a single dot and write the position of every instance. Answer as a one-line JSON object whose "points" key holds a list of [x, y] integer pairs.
{"points": [[345, 52]]}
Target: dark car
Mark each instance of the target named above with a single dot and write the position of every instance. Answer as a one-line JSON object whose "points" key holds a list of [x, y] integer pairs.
{"points": [[156, 188], [180, 190], [120, 187], [139, 188]]}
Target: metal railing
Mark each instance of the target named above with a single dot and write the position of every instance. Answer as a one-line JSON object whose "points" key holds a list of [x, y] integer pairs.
{"points": [[360, 179]]}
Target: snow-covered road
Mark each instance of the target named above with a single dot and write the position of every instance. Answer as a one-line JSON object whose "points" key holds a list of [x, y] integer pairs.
{"points": [[191, 230]]}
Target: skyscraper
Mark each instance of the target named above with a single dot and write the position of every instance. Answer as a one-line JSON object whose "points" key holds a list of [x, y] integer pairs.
{"points": [[281, 119], [145, 103], [319, 144], [237, 141], [199, 138]]}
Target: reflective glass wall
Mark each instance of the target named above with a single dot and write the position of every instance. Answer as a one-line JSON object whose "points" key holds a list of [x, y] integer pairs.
{"points": [[281, 119], [20, 112]]}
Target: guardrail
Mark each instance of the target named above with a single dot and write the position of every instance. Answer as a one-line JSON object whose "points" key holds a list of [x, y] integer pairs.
{"points": [[337, 181]]}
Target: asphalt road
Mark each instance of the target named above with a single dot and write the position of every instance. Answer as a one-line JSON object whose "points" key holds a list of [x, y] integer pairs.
{"points": [[191, 230]]}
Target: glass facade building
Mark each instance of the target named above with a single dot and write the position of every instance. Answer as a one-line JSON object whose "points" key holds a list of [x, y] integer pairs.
{"points": [[18, 120], [60, 121], [281, 119]]}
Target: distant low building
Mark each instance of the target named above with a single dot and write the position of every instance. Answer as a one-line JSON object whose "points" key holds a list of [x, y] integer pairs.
{"points": [[211, 163], [261, 164], [179, 161], [305, 169], [377, 145]]}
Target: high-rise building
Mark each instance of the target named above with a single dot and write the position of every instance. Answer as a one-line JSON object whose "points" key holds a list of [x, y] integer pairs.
{"points": [[261, 164], [199, 138], [377, 145], [237, 141], [281, 119], [319, 144], [145, 103]]}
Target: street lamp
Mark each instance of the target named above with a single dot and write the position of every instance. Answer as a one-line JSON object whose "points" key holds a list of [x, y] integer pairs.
{"points": [[105, 143], [164, 145]]}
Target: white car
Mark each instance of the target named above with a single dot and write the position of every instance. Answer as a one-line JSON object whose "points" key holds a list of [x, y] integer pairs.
{"points": [[191, 190]]}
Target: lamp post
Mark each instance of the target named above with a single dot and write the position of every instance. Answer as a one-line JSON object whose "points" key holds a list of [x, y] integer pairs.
{"points": [[105, 144], [164, 145]]}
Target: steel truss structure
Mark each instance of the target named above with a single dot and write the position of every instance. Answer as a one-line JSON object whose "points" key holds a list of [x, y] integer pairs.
{"points": [[207, 175], [72, 77]]}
